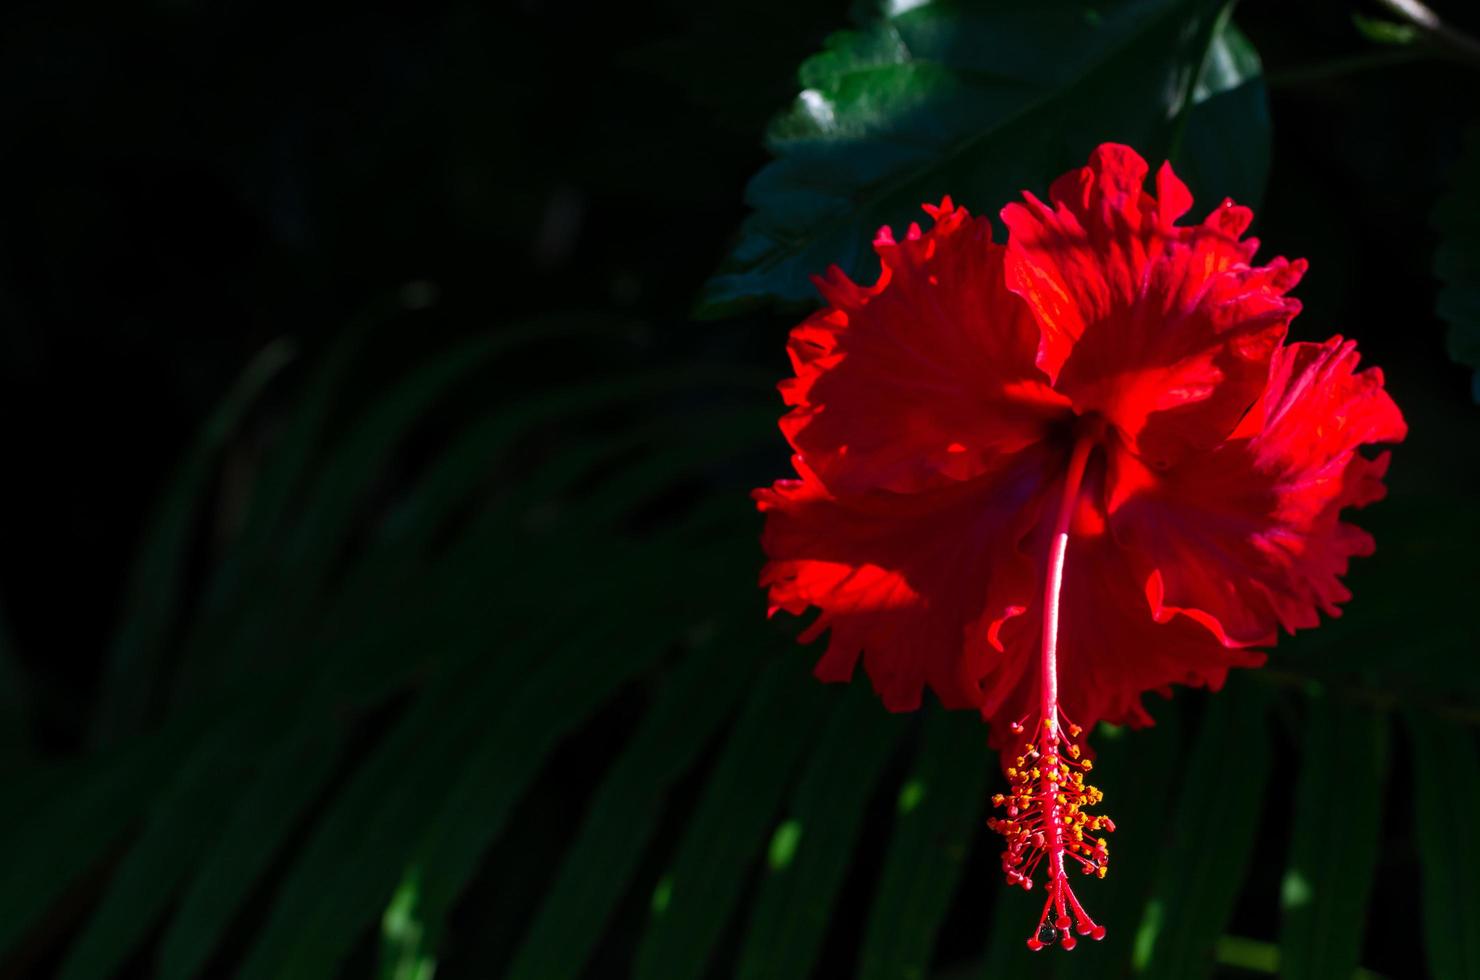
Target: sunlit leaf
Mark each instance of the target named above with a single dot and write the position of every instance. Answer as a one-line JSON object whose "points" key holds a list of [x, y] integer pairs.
{"points": [[979, 100], [403, 941], [1225, 148]]}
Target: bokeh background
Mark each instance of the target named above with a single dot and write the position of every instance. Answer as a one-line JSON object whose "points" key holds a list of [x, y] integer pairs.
{"points": [[377, 570]]}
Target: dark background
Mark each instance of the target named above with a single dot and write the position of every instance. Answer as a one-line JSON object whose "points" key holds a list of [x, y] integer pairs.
{"points": [[185, 184]]}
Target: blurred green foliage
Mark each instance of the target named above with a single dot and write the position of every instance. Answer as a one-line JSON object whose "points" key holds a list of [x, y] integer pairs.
{"points": [[440, 651]]}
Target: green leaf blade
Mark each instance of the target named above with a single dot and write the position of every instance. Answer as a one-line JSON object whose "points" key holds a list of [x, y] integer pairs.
{"points": [[1334, 843], [600, 863], [1212, 836], [940, 806], [810, 850], [1447, 773], [728, 829]]}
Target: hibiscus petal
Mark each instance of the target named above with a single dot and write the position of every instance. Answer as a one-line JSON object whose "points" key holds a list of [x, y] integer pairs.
{"points": [[908, 383], [919, 584], [1111, 650], [1247, 538], [1163, 329]]}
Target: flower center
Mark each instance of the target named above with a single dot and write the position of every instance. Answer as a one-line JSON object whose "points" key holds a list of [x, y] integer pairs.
{"points": [[1045, 807]]}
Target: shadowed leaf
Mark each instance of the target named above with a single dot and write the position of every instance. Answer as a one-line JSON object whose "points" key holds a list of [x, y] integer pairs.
{"points": [[811, 847], [694, 702], [940, 807], [156, 577], [727, 831], [1457, 261], [1212, 835], [1333, 848], [1447, 771]]}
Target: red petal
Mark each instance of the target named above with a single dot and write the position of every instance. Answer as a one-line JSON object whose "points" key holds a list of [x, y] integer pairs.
{"points": [[1248, 538], [923, 377], [1111, 650], [1165, 330], [918, 583]]}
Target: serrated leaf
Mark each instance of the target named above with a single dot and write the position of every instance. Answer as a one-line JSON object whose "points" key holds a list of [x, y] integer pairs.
{"points": [[1211, 837], [978, 100], [727, 831], [941, 803], [811, 847], [1333, 846], [1447, 776], [1457, 260]]}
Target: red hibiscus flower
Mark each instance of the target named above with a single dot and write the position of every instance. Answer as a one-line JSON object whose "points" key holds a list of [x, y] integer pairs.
{"points": [[1046, 477]]}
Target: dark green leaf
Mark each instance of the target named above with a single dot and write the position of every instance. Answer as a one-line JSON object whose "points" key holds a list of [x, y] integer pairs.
{"points": [[15, 738], [1333, 848], [694, 702], [155, 579], [810, 849], [474, 762], [1457, 261], [979, 101], [81, 818], [940, 806], [495, 775], [727, 832], [1225, 149], [183, 821], [1447, 771], [360, 849], [1212, 835], [291, 774]]}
